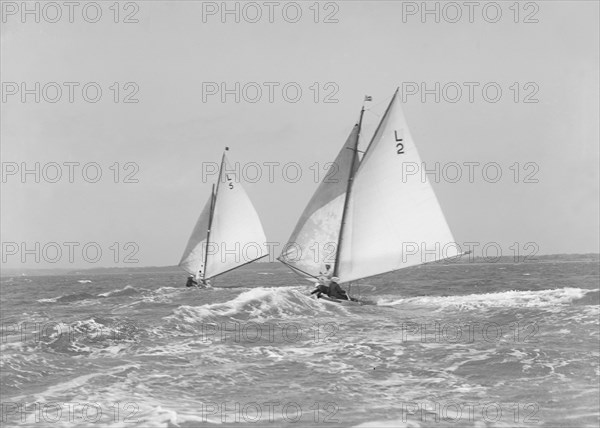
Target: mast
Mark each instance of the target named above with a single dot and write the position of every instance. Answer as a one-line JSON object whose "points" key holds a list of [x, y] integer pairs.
{"points": [[210, 217], [336, 267], [212, 210]]}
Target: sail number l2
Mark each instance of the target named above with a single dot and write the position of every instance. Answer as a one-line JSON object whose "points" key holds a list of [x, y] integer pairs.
{"points": [[399, 146]]}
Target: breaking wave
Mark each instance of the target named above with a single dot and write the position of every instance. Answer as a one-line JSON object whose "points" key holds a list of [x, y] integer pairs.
{"points": [[127, 291], [259, 304], [523, 299]]}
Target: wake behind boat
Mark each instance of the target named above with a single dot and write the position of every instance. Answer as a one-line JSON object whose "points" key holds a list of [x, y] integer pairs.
{"points": [[361, 220], [228, 220]]}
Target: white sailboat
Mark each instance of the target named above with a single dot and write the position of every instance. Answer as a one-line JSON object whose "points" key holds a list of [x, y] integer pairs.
{"points": [[228, 233], [360, 221]]}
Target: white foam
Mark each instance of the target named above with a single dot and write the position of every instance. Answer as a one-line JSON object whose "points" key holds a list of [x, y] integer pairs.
{"points": [[113, 292], [259, 303], [51, 300], [540, 298]]}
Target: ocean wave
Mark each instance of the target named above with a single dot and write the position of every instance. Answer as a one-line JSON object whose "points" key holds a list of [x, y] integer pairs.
{"points": [[68, 298], [258, 304], [127, 291], [84, 281], [88, 336], [540, 298], [49, 300]]}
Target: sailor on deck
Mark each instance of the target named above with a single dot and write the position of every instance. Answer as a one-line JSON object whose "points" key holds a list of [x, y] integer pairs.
{"points": [[320, 289], [191, 281], [332, 290], [335, 291]]}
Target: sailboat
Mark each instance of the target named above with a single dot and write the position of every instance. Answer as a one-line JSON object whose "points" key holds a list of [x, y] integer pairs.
{"points": [[362, 220], [228, 233]]}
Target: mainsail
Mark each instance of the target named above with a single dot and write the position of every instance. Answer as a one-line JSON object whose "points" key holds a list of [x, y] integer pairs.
{"points": [[228, 233], [314, 240], [391, 222], [374, 220]]}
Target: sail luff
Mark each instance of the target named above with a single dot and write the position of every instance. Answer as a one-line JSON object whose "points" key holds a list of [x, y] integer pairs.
{"points": [[347, 195]]}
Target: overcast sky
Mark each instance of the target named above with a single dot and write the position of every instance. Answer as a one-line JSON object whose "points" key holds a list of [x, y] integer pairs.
{"points": [[170, 55]]}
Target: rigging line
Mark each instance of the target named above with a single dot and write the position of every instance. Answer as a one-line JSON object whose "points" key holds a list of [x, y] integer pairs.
{"points": [[296, 273], [384, 101]]}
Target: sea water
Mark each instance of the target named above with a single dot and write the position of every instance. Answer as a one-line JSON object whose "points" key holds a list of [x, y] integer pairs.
{"points": [[443, 344]]}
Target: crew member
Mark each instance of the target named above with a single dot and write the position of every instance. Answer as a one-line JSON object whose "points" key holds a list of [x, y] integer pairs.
{"points": [[191, 281], [335, 291]]}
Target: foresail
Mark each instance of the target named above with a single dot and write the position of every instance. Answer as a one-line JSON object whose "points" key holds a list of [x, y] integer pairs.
{"points": [[393, 219], [313, 242], [236, 235], [193, 256]]}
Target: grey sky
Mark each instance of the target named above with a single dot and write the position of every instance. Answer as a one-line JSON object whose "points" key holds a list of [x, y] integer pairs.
{"points": [[171, 131]]}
